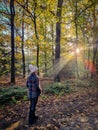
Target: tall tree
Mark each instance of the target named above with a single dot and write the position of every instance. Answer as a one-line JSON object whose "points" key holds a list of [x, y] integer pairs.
{"points": [[22, 46], [58, 36], [95, 35], [76, 27], [36, 33], [97, 53], [52, 36], [12, 14]]}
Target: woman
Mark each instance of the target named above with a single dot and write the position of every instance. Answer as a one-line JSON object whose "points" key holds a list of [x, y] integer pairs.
{"points": [[33, 92]]}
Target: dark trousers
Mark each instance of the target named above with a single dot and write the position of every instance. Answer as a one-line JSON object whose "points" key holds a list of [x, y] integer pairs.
{"points": [[33, 103]]}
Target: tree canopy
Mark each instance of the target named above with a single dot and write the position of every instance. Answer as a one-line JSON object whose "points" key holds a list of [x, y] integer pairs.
{"points": [[31, 30]]}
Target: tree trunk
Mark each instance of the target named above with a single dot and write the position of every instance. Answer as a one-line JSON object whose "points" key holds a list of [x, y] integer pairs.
{"points": [[45, 58], [58, 36], [36, 34], [52, 35], [94, 40], [76, 46], [45, 51], [97, 56], [22, 46], [12, 11]]}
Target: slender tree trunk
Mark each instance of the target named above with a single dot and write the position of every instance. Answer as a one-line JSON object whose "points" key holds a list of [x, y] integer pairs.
{"points": [[97, 54], [52, 35], [94, 40], [22, 46], [76, 46], [58, 36], [12, 10], [45, 58], [84, 51], [36, 34], [45, 51], [89, 52]]}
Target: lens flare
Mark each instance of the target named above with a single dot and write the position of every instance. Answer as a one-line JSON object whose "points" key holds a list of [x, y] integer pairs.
{"points": [[77, 50], [90, 67]]}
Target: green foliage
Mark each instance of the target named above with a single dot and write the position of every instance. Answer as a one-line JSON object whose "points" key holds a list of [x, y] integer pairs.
{"points": [[69, 85], [4, 60], [46, 19], [85, 82], [57, 89], [25, 98], [12, 95], [44, 96]]}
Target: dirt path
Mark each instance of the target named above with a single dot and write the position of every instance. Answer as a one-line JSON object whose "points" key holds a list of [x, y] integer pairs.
{"points": [[77, 111]]}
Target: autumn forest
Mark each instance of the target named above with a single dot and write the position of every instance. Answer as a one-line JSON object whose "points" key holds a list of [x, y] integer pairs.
{"points": [[60, 37]]}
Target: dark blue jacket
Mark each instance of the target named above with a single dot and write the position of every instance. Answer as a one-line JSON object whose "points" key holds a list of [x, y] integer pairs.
{"points": [[33, 86]]}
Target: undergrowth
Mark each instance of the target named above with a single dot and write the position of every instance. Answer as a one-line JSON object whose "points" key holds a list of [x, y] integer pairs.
{"points": [[12, 95], [57, 89], [69, 85], [15, 94]]}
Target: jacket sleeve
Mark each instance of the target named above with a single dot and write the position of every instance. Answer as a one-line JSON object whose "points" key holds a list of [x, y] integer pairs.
{"points": [[37, 85]]}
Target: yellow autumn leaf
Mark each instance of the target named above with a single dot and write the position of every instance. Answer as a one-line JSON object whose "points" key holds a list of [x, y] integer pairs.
{"points": [[17, 38]]}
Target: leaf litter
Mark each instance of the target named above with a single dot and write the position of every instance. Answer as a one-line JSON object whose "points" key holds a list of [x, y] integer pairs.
{"points": [[75, 111]]}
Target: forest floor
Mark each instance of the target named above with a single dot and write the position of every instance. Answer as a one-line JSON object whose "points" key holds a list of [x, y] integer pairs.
{"points": [[74, 111]]}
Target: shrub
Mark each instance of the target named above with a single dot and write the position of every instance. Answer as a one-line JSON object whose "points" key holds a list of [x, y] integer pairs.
{"points": [[69, 85], [85, 82], [57, 88], [12, 95]]}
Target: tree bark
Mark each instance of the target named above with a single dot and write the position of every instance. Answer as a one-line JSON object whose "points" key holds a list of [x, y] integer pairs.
{"points": [[58, 36], [95, 34], [36, 34], [97, 54], [45, 50], [22, 46], [76, 46], [12, 11], [52, 35]]}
